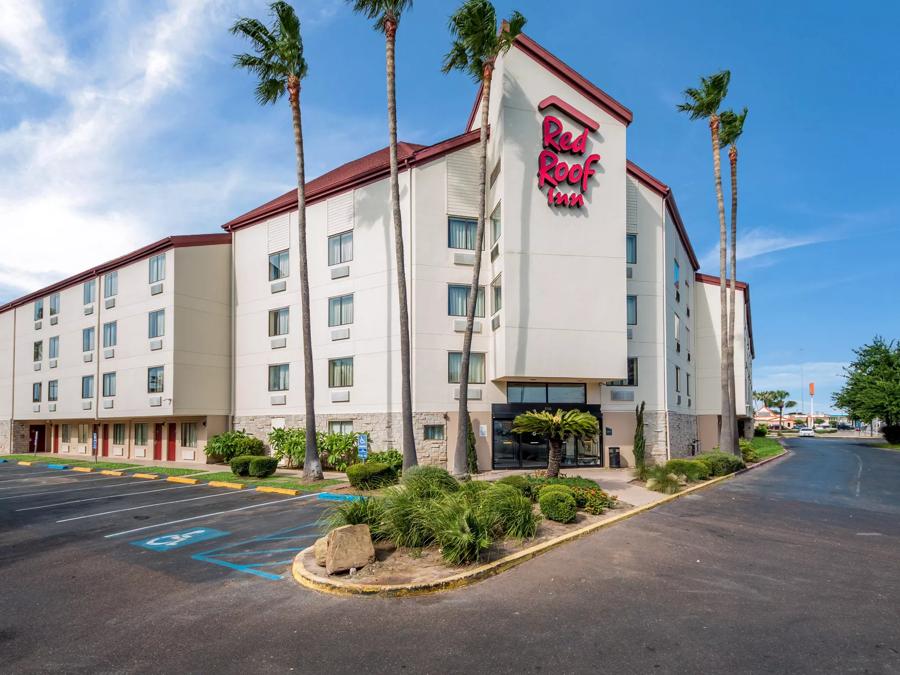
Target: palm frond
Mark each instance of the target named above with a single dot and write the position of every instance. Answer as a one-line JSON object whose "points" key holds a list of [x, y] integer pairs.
{"points": [[731, 126], [269, 91], [381, 10], [476, 39], [705, 101], [256, 32]]}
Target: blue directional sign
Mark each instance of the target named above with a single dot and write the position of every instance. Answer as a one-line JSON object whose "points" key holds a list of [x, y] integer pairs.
{"points": [[173, 540], [362, 446]]}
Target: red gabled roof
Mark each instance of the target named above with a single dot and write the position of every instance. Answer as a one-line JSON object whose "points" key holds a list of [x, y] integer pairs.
{"points": [[362, 171], [175, 241], [668, 196], [740, 285]]}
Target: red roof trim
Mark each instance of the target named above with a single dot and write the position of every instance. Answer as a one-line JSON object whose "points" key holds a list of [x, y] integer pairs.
{"points": [[650, 181], [175, 241], [715, 281], [571, 111], [475, 107], [741, 286]]}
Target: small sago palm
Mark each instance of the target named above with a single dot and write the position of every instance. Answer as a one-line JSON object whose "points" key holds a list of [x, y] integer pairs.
{"points": [[278, 63], [704, 103], [477, 42], [556, 428], [386, 14]]}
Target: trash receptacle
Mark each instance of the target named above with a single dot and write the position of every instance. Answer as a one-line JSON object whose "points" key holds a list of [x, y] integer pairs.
{"points": [[614, 459]]}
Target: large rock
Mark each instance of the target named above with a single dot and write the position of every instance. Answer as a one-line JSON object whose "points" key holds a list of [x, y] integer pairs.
{"points": [[320, 549], [347, 547]]}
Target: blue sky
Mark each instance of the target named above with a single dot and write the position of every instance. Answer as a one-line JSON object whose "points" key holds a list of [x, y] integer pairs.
{"points": [[122, 122]]}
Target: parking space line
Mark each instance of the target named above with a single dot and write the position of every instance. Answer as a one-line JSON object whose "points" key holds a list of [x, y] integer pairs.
{"points": [[93, 499], [220, 555], [26, 476], [91, 479], [148, 506], [210, 515], [123, 483]]}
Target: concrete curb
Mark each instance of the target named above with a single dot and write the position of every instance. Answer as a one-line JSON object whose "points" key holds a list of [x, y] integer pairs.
{"points": [[226, 484], [277, 490], [181, 479], [25, 463], [146, 476], [112, 472], [82, 469]]}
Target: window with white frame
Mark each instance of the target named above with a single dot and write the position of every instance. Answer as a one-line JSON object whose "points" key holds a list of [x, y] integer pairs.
{"points": [[476, 367], [89, 291], [111, 284], [87, 386], [38, 310], [458, 300], [340, 372], [54, 304], [38, 351], [677, 332], [157, 268], [340, 248], [496, 294], [678, 378], [155, 379], [110, 334], [84, 433], [279, 377], [631, 310], [340, 427], [36, 392], [279, 322], [631, 249], [188, 434], [157, 323], [340, 310], [279, 265], [109, 385], [434, 432], [118, 434], [87, 339], [66, 433], [140, 434], [496, 225], [52, 390], [53, 347], [461, 233], [687, 383]]}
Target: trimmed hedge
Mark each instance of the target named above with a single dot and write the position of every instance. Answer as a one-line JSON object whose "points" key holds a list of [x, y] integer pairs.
{"points": [[557, 503], [371, 475], [240, 466], [261, 467], [692, 469], [393, 458], [230, 444], [720, 464], [891, 433]]}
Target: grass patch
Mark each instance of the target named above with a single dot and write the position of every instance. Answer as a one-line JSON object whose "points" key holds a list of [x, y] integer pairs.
{"points": [[62, 459], [766, 447], [887, 446], [283, 481], [168, 470]]}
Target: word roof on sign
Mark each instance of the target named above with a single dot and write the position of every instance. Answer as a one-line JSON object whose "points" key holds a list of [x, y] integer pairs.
{"points": [[558, 174]]}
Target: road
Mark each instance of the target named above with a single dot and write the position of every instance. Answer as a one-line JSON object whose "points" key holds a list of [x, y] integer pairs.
{"points": [[793, 567]]}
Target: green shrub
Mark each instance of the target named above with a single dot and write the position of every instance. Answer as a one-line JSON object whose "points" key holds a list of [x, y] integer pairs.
{"points": [[226, 446], [240, 466], [290, 445], [660, 479], [509, 512], [557, 504], [337, 451], [393, 458], [720, 463], [760, 431], [429, 482], [407, 518], [748, 452], [364, 511], [537, 483], [891, 433], [692, 469], [471, 450], [261, 467], [473, 490], [459, 528], [520, 483], [371, 475], [595, 501]]}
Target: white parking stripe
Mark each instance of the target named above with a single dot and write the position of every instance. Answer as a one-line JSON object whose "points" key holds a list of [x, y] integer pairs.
{"points": [[210, 515], [124, 481], [26, 476], [92, 479], [93, 499], [229, 493]]}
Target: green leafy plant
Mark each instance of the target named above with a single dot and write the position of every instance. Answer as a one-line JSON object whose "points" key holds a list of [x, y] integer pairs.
{"points": [[748, 452], [261, 467], [474, 489], [471, 451], [363, 511], [720, 463], [760, 431], [290, 445], [429, 482], [557, 428], [240, 466], [593, 501], [521, 483], [371, 475], [338, 451], [230, 444], [660, 479], [557, 503], [460, 529], [509, 512], [407, 520], [640, 443], [692, 469], [393, 458]]}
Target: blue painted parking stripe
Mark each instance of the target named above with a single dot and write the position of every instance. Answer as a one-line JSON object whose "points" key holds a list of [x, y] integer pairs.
{"points": [[61, 467], [330, 496]]}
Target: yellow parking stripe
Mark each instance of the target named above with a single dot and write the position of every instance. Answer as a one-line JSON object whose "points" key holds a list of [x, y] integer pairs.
{"points": [[278, 490], [26, 463], [148, 476], [224, 484], [180, 479]]}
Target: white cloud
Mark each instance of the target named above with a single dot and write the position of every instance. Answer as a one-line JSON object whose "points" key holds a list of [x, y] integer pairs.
{"points": [[29, 50], [795, 378], [762, 241]]}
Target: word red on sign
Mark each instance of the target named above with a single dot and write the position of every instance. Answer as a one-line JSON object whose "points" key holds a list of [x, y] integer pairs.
{"points": [[555, 172]]}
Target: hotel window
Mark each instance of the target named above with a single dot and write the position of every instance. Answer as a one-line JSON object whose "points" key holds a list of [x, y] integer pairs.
{"points": [[188, 434], [66, 433], [631, 249], [631, 310], [676, 273], [157, 323], [340, 310], [53, 347], [677, 378], [279, 377], [140, 434], [340, 427], [54, 304], [157, 268], [687, 383], [109, 384], [632, 379], [155, 380], [461, 233], [38, 351], [476, 367], [38, 310], [110, 334], [677, 331], [545, 393], [496, 294], [87, 339], [84, 433], [340, 372], [52, 390], [496, 225], [434, 432], [118, 434], [340, 248], [36, 392], [111, 285], [87, 386], [458, 300], [279, 322], [89, 291], [279, 265]]}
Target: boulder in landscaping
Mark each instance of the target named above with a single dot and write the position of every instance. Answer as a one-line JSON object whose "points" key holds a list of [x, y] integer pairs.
{"points": [[320, 549], [348, 546]]}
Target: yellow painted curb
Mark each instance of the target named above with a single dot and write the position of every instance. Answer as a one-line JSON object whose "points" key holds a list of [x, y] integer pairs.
{"points": [[278, 490], [26, 463], [148, 476], [180, 479], [110, 472], [82, 469], [225, 484]]}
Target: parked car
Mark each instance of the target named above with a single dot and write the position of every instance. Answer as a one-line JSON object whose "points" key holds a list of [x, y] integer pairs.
{"points": [[843, 426], [806, 431]]}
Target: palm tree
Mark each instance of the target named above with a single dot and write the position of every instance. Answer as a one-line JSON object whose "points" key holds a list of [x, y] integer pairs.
{"points": [[386, 14], [732, 126], [703, 103], [780, 399], [279, 65], [477, 43], [557, 428]]}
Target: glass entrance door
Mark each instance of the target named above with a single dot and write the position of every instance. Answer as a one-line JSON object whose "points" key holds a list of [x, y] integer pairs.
{"points": [[506, 446], [534, 452]]}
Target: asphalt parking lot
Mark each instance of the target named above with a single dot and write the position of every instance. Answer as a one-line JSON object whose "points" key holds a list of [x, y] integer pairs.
{"points": [[193, 532]]}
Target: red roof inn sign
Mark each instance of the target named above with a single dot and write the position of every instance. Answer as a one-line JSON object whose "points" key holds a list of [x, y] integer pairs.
{"points": [[567, 179]]}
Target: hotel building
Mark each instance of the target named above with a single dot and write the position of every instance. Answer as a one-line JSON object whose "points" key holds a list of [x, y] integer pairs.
{"points": [[589, 297]]}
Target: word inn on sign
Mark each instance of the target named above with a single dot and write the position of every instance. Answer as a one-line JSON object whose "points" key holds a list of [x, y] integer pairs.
{"points": [[558, 174]]}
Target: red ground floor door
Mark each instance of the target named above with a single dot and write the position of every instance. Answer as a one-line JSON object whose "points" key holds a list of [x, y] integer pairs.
{"points": [[37, 438], [104, 446], [55, 438], [157, 441], [170, 449]]}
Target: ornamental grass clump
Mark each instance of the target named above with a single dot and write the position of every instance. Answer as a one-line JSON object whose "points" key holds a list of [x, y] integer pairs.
{"points": [[660, 479], [459, 528], [509, 512], [429, 482], [406, 518], [364, 511]]}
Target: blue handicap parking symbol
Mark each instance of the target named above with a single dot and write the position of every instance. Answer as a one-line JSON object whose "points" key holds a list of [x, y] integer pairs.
{"points": [[173, 540]]}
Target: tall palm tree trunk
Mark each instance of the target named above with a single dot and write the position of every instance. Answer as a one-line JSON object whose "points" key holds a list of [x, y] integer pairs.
{"points": [[555, 458], [459, 455], [726, 440], [408, 436], [732, 381], [312, 468]]}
